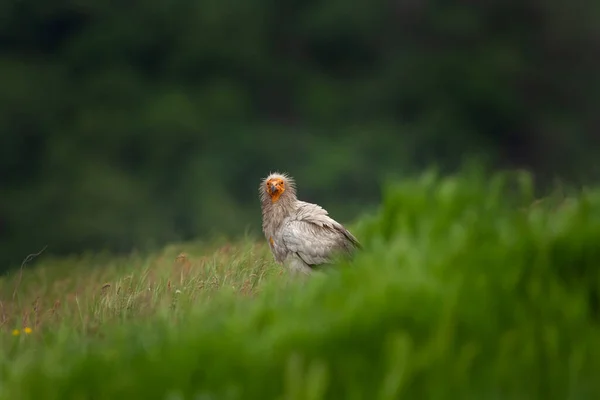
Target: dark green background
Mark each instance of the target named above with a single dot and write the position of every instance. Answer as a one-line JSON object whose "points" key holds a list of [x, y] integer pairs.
{"points": [[129, 124]]}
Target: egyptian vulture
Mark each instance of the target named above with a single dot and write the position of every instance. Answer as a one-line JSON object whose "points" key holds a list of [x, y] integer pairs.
{"points": [[301, 235]]}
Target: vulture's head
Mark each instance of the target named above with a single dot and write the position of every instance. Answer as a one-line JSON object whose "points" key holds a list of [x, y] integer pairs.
{"points": [[277, 185]]}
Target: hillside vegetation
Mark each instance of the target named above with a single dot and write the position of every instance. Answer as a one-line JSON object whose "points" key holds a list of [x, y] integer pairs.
{"points": [[165, 113], [465, 289]]}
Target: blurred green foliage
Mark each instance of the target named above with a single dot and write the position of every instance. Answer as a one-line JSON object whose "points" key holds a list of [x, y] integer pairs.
{"points": [[127, 125], [457, 294]]}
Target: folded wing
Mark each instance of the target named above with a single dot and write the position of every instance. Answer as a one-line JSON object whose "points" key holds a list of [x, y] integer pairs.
{"points": [[315, 237]]}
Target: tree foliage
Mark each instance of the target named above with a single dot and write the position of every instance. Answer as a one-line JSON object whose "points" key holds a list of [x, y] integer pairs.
{"points": [[127, 124]]}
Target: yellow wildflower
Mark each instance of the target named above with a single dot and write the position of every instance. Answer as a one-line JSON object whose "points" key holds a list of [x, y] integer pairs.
{"points": [[27, 330], [15, 332]]}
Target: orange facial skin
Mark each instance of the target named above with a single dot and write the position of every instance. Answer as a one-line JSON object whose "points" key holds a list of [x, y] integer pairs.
{"points": [[275, 188]]}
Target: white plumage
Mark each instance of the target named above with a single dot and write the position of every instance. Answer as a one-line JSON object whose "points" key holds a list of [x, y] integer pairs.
{"points": [[301, 235]]}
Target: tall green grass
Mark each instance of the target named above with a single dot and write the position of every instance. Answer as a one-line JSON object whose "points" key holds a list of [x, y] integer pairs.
{"points": [[463, 290]]}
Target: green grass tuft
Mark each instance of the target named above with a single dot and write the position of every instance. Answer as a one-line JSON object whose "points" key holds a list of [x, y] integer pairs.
{"points": [[465, 288]]}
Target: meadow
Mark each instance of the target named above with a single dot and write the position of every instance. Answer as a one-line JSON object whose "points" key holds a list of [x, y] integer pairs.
{"points": [[466, 288]]}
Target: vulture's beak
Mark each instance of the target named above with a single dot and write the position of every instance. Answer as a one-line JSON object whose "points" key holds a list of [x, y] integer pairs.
{"points": [[273, 188]]}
